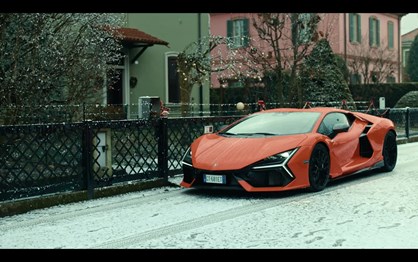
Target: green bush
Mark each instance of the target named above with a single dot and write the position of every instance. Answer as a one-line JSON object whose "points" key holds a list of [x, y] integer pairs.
{"points": [[321, 78]]}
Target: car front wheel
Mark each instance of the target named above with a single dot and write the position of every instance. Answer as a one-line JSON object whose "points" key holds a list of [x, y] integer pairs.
{"points": [[319, 168]]}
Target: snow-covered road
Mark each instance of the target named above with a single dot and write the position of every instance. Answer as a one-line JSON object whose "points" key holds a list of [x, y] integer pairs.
{"points": [[377, 210]]}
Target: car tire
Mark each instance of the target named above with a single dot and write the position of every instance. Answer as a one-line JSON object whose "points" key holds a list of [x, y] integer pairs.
{"points": [[319, 168], [389, 152]]}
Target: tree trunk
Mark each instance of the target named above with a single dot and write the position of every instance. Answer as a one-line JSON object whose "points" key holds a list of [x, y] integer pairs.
{"points": [[280, 86], [185, 89]]}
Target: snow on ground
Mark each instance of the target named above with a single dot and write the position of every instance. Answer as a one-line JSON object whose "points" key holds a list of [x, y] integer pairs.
{"points": [[376, 210]]}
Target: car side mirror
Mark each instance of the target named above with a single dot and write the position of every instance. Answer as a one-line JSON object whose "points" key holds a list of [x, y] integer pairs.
{"points": [[340, 127]]}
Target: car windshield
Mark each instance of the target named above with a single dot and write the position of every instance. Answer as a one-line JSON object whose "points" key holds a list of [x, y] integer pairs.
{"points": [[274, 123]]}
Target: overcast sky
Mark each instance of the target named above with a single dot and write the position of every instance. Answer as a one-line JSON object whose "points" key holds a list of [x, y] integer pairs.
{"points": [[409, 23]]}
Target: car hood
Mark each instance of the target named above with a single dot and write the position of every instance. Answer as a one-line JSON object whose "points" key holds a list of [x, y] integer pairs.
{"points": [[214, 152]]}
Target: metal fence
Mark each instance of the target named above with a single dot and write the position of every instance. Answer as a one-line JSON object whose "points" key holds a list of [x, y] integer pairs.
{"points": [[39, 114], [48, 158], [406, 121], [39, 159]]}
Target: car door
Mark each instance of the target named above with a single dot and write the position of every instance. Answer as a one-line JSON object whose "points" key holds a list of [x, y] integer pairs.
{"points": [[344, 145]]}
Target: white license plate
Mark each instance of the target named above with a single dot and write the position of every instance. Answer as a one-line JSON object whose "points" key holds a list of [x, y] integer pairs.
{"points": [[214, 179]]}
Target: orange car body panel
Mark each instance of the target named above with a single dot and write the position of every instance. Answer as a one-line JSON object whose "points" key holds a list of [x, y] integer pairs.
{"points": [[214, 152]]}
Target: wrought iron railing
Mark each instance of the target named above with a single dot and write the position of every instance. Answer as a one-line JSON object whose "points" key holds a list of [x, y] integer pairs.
{"points": [[39, 159], [47, 158]]}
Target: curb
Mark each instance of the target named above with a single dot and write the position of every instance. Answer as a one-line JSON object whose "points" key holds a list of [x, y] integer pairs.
{"points": [[14, 207]]}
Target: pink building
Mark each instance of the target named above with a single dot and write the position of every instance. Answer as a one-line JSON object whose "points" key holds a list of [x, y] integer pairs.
{"points": [[353, 36]]}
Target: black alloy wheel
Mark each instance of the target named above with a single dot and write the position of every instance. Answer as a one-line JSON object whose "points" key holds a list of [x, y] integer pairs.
{"points": [[319, 168], [390, 152]]}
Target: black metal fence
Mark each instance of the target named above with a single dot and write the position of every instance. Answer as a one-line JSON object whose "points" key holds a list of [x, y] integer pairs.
{"points": [[48, 158], [39, 159], [406, 121]]}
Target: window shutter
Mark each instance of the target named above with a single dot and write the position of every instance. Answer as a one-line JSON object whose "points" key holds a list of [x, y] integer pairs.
{"points": [[358, 28], [351, 26], [229, 33], [229, 28], [370, 31], [390, 34], [377, 32], [246, 32]]}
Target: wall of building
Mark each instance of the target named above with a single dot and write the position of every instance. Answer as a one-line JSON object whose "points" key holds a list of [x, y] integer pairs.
{"points": [[334, 26], [179, 30]]}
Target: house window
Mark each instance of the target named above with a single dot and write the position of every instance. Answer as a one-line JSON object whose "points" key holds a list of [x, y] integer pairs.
{"points": [[405, 57], [173, 80], [374, 32], [303, 27], [115, 89], [355, 79], [237, 32], [390, 79], [390, 35], [355, 28]]}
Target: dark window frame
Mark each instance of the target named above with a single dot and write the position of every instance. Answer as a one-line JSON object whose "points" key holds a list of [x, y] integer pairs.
{"points": [[391, 35], [354, 28], [240, 38], [374, 32], [173, 81]]}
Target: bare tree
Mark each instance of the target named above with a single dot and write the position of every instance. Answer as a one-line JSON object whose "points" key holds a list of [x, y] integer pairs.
{"points": [[270, 28], [285, 40], [384, 64], [328, 26], [208, 57], [374, 64], [360, 60], [50, 57]]}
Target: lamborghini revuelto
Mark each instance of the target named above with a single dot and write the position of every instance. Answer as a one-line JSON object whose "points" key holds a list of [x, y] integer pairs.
{"points": [[283, 149]]}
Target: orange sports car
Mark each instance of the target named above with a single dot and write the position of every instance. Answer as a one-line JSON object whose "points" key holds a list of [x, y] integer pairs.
{"points": [[286, 148]]}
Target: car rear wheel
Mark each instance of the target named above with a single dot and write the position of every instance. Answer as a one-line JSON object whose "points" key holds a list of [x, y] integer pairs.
{"points": [[390, 152], [319, 166]]}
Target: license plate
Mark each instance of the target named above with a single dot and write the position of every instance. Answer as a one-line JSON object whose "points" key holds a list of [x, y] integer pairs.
{"points": [[214, 179]]}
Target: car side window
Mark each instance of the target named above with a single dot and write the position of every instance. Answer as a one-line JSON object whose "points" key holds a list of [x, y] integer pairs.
{"points": [[329, 121]]}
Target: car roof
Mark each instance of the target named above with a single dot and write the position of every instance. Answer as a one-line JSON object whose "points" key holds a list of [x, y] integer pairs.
{"points": [[312, 109]]}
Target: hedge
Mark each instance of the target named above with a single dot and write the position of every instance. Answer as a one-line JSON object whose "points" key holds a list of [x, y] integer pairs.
{"points": [[392, 92]]}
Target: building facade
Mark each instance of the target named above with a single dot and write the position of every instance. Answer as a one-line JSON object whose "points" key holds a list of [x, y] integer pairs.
{"points": [[353, 36], [151, 43]]}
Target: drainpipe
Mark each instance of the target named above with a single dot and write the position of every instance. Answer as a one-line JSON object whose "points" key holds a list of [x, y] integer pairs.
{"points": [[199, 35], [399, 49], [345, 37]]}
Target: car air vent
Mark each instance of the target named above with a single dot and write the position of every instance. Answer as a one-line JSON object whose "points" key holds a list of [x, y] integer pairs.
{"points": [[366, 129], [366, 149]]}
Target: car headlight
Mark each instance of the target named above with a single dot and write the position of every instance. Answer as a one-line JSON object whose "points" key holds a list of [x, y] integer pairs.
{"points": [[187, 158], [276, 160]]}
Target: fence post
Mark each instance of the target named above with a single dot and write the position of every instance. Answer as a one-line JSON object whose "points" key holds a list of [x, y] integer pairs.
{"points": [[407, 118], [87, 158], [163, 147]]}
